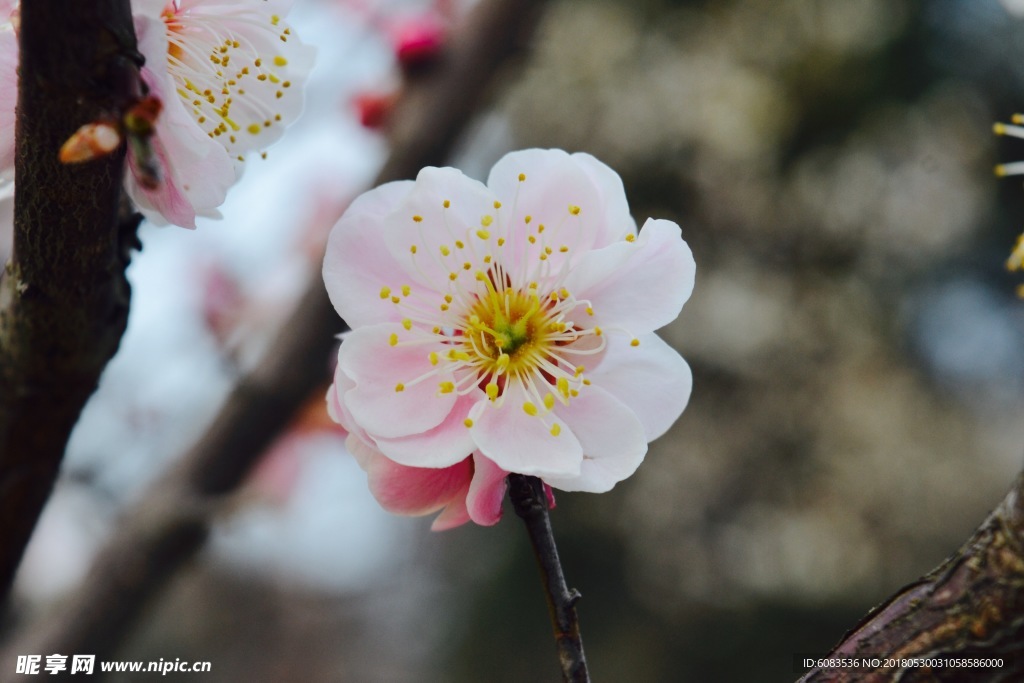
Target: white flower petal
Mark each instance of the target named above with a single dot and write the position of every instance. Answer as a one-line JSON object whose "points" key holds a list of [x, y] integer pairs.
{"points": [[522, 443], [637, 286], [444, 445], [652, 379], [376, 367], [358, 264], [554, 182], [613, 440], [422, 233]]}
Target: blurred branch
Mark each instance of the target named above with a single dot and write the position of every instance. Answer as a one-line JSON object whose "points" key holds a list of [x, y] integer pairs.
{"points": [[972, 605], [63, 295], [531, 504], [154, 541]]}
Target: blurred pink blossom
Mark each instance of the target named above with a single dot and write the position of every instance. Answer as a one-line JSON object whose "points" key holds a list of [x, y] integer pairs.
{"points": [[8, 89], [418, 40], [504, 328], [230, 76]]}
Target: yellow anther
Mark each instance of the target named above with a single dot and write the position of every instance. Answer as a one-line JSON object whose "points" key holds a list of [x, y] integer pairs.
{"points": [[1000, 170], [501, 241], [487, 259], [433, 357], [417, 218], [395, 300], [483, 234], [461, 355], [393, 339], [385, 292], [467, 265], [548, 250], [274, 19], [586, 382], [579, 370], [459, 244], [563, 249], [492, 390], [412, 249], [522, 177], [574, 393], [590, 310], [497, 204], [446, 387], [549, 401], [574, 210], [530, 409], [532, 285], [556, 429], [407, 324], [254, 128], [445, 251], [532, 239], [486, 220], [563, 387], [597, 330], [280, 61], [631, 237], [999, 128], [406, 290], [564, 293], [543, 257], [448, 298], [635, 342], [444, 307], [481, 276], [527, 219], [503, 361], [399, 387], [540, 228], [467, 422]]}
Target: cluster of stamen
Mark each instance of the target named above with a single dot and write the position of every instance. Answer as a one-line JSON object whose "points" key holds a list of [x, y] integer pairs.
{"points": [[229, 87], [489, 324]]}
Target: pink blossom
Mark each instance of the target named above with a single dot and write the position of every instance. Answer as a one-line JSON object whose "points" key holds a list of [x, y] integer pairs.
{"points": [[506, 327], [8, 89], [230, 75]]}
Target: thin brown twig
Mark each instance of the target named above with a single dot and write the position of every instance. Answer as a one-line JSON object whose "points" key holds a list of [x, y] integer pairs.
{"points": [[63, 295], [531, 503], [155, 540]]}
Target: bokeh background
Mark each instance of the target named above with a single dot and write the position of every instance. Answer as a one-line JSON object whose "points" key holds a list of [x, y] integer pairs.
{"points": [[854, 336]]}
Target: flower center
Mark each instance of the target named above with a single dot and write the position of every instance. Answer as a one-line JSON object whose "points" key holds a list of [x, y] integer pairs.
{"points": [[506, 322]]}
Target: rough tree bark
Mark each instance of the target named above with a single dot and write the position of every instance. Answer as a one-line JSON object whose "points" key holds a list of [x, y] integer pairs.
{"points": [[970, 606], [64, 296], [170, 523]]}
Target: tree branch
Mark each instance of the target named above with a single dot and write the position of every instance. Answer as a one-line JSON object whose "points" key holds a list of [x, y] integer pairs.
{"points": [[972, 605], [63, 296], [435, 108], [531, 503]]}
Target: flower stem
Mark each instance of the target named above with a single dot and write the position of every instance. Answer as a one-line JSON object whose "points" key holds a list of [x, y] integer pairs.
{"points": [[531, 503]]}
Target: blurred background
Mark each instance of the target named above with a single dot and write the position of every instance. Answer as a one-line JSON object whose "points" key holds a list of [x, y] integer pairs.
{"points": [[854, 336]]}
